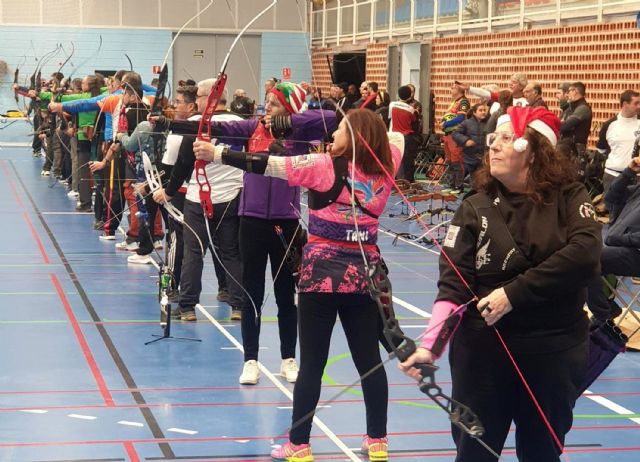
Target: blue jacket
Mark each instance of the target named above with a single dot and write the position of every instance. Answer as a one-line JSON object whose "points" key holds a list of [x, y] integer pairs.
{"points": [[272, 198], [471, 129], [624, 203]]}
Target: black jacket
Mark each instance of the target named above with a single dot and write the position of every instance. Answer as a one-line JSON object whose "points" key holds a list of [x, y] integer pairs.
{"points": [[561, 241], [577, 124], [624, 200]]}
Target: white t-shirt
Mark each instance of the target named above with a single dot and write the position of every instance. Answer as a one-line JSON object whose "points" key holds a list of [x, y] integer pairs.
{"points": [[225, 181]]}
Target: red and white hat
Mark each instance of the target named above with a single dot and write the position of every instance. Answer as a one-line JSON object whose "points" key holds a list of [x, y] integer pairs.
{"points": [[540, 119], [292, 96]]}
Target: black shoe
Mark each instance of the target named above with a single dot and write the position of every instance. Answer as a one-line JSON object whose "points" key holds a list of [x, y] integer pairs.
{"points": [[223, 296], [83, 208]]}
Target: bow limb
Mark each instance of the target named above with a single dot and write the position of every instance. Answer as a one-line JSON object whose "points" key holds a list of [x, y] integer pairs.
{"points": [[204, 130], [164, 72], [86, 60]]}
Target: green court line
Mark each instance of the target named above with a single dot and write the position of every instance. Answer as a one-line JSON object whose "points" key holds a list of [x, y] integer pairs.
{"points": [[327, 379]]}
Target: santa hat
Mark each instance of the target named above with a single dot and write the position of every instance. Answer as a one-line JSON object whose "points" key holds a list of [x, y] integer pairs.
{"points": [[292, 96], [540, 119]]}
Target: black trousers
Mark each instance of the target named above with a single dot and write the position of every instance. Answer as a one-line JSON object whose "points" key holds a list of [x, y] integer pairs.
{"points": [[259, 241], [114, 199], [226, 239], [359, 317], [620, 261], [408, 166], [485, 380], [175, 240], [84, 186]]}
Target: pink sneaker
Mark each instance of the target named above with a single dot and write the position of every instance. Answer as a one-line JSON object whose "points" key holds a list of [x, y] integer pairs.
{"points": [[290, 452], [376, 448]]}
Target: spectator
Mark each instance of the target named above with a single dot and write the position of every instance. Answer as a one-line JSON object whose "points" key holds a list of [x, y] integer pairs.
{"points": [[533, 94], [621, 252], [505, 100], [517, 85], [243, 106], [618, 137], [563, 97], [451, 120], [239, 93], [470, 136], [383, 100], [403, 116], [417, 125], [575, 128]]}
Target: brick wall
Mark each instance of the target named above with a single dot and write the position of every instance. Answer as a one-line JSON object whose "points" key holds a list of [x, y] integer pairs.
{"points": [[377, 60], [605, 57], [321, 74]]}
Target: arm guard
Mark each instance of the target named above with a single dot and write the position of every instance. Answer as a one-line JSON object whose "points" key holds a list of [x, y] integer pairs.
{"points": [[246, 161]]}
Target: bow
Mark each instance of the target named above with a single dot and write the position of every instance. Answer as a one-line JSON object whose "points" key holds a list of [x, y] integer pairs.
{"points": [[85, 61], [204, 130], [16, 76]]}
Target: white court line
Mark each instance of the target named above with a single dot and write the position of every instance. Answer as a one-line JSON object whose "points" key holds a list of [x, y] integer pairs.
{"points": [[34, 411], [82, 417], [131, 424], [602, 401], [411, 307], [319, 423], [183, 431]]}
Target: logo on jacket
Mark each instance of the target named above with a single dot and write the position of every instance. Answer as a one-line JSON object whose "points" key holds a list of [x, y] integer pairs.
{"points": [[483, 257], [303, 161], [586, 210]]}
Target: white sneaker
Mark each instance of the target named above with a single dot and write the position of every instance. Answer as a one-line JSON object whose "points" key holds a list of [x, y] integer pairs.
{"points": [[73, 194], [131, 246], [140, 259], [289, 370], [250, 373], [45, 173], [107, 237], [157, 244]]}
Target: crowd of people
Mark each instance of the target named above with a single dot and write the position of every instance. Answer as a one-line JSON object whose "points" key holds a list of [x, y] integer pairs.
{"points": [[522, 251]]}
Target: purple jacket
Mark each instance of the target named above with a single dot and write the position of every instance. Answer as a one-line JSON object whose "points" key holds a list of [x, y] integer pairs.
{"points": [[271, 198]]}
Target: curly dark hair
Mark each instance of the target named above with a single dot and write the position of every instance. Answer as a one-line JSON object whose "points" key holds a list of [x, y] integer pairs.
{"points": [[548, 172]]}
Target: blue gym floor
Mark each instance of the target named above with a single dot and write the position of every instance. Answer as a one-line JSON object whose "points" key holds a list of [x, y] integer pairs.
{"points": [[78, 383]]}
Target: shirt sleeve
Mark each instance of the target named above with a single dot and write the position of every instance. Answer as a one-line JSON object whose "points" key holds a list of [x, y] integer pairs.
{"points": [[313, 171]]}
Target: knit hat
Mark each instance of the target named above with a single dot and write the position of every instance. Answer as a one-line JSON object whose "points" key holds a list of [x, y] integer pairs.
{"points": [[292, 96], [540, 119]]}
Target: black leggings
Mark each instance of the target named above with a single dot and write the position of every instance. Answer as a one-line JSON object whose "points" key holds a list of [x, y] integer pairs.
{"points": [[259, 241], [485, 380], [359, 318]]}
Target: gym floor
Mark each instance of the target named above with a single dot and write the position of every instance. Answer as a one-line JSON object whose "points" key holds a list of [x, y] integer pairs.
{"points": [[78, 382]]}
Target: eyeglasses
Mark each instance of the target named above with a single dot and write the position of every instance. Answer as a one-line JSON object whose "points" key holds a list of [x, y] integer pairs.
{"points": [[502, 137]]}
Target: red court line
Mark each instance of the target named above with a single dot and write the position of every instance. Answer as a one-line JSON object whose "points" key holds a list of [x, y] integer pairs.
{"points": [[258, 387], [45, 257], [93, 365], [131, 451]]}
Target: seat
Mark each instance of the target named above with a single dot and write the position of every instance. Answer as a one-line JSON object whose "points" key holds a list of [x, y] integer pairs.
{"points": [[627, 296]]}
